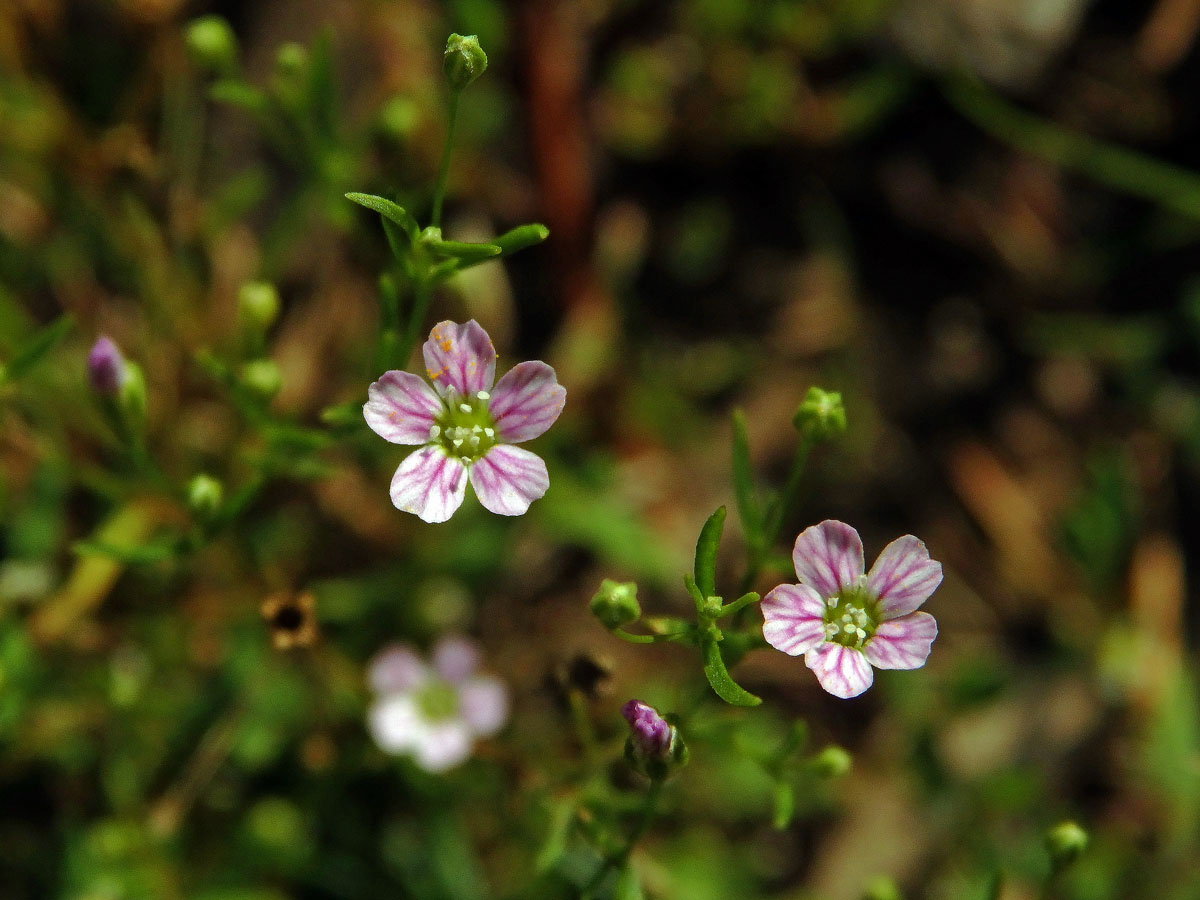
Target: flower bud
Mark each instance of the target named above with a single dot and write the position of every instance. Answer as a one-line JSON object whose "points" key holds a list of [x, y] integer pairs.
{"points": [[1064, 843], [212, 44], [464, 61], [616, 604], [832, 762], [654, 746], [204, 496], [107, 370], [291, 60], [262, 376], [258, 305], [821, 414]]}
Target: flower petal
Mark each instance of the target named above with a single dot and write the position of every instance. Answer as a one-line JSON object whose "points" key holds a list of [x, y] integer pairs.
{"points": [[842, 671], [903, 577], [442, 745], [401, 408], [793, 617], [507, 479], [828, 557], [395, 723], [483, 703], [429, 484], [902, 643], [460, 357], [396, 669], [455, 658], [526, 401]]}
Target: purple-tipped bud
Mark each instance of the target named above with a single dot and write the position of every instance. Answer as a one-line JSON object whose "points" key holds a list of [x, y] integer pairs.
{"points": [[107, 370], [651, 733]]}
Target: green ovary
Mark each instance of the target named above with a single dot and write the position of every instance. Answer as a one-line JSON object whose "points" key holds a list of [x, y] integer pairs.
{"points": [[465, 428], [437, 701], [851, 617]]}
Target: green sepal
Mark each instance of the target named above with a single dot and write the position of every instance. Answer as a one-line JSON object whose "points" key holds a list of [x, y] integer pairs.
{"points": [[705, 565], [719, 678], [389, 210], [36, 348], [521, 237], [743, 482], [462, 250]]}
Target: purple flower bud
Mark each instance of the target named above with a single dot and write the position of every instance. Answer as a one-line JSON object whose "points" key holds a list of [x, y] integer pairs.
{"points": [[651, 733], [107, 371]]}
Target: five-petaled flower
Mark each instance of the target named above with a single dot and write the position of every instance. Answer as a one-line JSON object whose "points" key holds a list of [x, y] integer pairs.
{"points": [[434, 712], [467, 427], [844, 621]]}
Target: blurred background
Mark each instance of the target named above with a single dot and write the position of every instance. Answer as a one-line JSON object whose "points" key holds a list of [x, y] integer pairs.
{"points": [[977, 219]]}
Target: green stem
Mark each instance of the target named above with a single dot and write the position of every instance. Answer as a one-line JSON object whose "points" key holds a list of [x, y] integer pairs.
{"points": [[422, 295], [439, 192], [777, 512], [645, 817]]}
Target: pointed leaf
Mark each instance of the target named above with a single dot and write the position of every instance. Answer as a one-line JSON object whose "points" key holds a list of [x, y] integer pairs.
{"points": [[464, 251], [388, 210], [721, 681], [706, 553], [521, 237]]}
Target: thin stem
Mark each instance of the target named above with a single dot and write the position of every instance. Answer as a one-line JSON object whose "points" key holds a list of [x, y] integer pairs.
{"points": [[422, 295], [439, 192], [777, 512], [616, 861]]}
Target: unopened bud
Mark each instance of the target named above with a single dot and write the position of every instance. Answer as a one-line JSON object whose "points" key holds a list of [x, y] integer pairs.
{"points": [[258, 304], [212, 44], [107, 370], [832, 762], [654, 746], [464, 60], [1064, 843], [616, 603], [821, 414], [262, 376], [204, 496]]}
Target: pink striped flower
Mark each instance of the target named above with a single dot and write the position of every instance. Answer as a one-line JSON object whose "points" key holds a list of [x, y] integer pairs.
{"points": [[845, 621], [465, 426]]}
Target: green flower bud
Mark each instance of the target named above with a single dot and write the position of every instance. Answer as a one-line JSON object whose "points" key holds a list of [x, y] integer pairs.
{"points": [[262, 376], [832, 762], [204, 496], [132, 398], [258, 304], [212, 44], [464, 61], [821, 414], [616, 603], [1064, 843]]}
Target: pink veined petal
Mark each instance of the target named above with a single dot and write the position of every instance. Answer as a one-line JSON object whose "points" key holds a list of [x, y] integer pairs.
{"points": [[793, 618], [395, 723], [903, 576], [842, 671], [507, 479], [442, 745], [401, 408], [483, 703], [828, 557], [902, 643], [396, 669], [526, 401], [460, 357], [455, 658], [429, 484]]}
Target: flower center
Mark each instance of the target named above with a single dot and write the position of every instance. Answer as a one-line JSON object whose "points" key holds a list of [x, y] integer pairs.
{"points": [[851, 616], [437, 701], [465, 428]]}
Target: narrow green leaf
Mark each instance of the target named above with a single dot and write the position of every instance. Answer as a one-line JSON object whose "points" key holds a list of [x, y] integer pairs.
{"points": [[690, 583], [706, 553], [37, 347], [721, 681], [143, 554], [464, 251], [238, 93], [389, 210], [743, 482], [785, 805], [521, 237]]}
